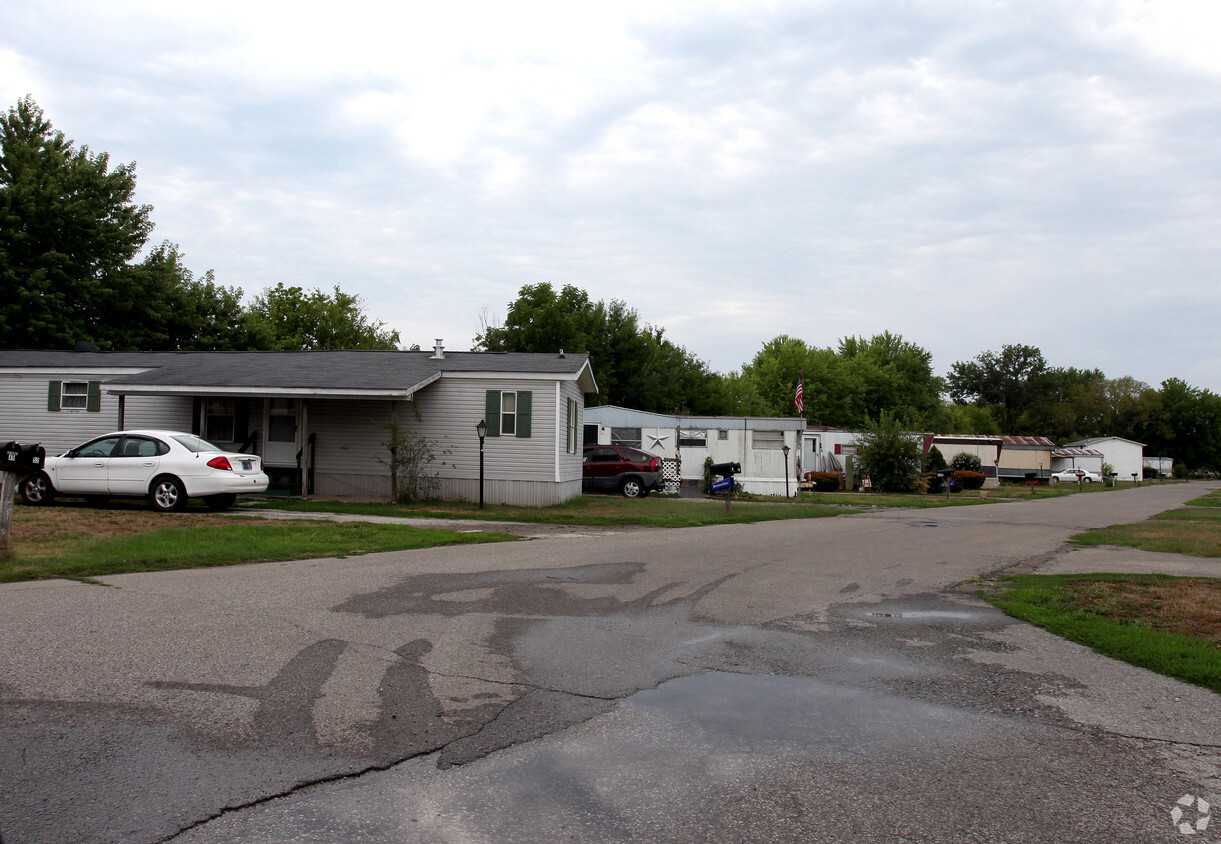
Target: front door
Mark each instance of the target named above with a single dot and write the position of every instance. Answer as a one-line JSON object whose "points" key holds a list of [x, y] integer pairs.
{"points": [[282, 445]]}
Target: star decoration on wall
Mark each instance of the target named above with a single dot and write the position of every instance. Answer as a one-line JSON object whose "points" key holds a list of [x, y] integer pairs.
{"points": [[658, 440]]}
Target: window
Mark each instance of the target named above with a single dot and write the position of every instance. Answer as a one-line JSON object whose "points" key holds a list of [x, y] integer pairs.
{"points": [[692, 439], [219, 424], [722, 434], [573, 413], [508, 413], [626, 436], [74, 395], [768, 439]]}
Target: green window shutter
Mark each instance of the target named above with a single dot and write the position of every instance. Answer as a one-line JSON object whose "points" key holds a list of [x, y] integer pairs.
{"points": [[53, 391], [525, 400], [491, 412], [93, 404]]}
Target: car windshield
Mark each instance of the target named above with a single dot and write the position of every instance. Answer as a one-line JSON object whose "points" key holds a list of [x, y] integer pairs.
{"points": [[193, 443]]}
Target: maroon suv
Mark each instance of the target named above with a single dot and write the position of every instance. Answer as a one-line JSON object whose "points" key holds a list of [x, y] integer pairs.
{"points": [[631, 471]]}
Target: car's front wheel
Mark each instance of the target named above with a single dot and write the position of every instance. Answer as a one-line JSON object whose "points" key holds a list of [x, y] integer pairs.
{"points": [[1088, 480], [168, 494], [1053, 480], [37, 490], [632, 488]]}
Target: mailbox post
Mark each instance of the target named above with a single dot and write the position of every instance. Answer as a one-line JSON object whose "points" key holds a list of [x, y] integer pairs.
{"points": [[947, 478], [15, 460], [727, 484]]}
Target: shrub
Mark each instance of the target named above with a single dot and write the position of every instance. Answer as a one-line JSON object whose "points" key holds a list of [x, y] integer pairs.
{"points": [[967, 479], [934, 460], [824, 481], [926, 483], [888, 454], [964, 462]]}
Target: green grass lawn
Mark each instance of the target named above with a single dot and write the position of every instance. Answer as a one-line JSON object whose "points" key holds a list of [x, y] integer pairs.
{"points": [[84, 542], [611, 510], [1171, 625], [1166, 624]]}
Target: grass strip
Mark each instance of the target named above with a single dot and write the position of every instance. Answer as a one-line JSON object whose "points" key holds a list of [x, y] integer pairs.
{"points": [[231, 541], [588, 510], [1170, 625], [1199, 538], [609, 510], [1191, 514]]}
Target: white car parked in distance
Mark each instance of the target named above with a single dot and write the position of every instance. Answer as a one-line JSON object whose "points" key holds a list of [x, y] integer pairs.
{"points": [[1075, 476], [166, 467]]}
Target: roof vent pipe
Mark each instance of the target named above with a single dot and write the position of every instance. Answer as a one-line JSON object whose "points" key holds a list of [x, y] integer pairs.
{"points": [[438, 351], [561, 353]]}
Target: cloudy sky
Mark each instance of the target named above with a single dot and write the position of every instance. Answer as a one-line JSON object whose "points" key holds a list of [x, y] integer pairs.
{"points": [[967, 173]]}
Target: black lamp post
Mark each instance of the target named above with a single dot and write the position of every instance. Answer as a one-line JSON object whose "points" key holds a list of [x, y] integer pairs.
{"points": [[786, 470], [482, 430]]}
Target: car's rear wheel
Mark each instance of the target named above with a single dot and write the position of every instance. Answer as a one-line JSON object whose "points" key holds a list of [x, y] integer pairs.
{"points": [[1088, 480], [220, 502], [632, 488], [168, 494], [37, 490]]}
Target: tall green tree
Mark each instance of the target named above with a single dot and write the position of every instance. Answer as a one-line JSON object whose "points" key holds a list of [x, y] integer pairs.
{"points": [[290, 318], [1011, 382], [848, 386], [70, 234], [637, 366], [69, 227], [1185, 424], [889, 453]]}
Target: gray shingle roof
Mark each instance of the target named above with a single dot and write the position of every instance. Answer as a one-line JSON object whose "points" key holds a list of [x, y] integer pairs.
{"points": [[314, 371]]}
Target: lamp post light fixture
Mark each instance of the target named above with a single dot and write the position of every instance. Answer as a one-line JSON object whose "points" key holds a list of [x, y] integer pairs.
{"points": [[482, 430], [785, 449]]}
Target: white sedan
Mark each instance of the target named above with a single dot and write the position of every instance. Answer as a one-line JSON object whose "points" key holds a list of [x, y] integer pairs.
{"points": [[1075, 476], [166, 467]]}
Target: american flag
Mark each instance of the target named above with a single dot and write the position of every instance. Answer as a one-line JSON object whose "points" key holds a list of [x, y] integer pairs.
{"points": [[798, 401]]}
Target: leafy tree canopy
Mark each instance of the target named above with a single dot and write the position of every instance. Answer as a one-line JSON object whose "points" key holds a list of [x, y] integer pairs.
{"points": [[889, 453], [69, 227], [289, 318], [1010, 382], [636, 365], [70, 234], [847, 386]]}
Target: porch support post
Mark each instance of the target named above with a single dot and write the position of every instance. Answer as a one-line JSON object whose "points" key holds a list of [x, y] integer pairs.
{"points": [[307, 462]]}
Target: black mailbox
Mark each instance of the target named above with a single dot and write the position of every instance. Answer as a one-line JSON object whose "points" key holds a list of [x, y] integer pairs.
{"points": [[15, 457], [725, 470]]}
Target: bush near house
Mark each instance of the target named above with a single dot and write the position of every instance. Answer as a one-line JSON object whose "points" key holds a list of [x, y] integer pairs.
{"points": [[962, 461], [824, 481], [967, 479], [931, 482]]}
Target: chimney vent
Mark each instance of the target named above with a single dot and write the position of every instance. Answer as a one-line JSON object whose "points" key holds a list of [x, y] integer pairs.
{"points": [[438, 351]]}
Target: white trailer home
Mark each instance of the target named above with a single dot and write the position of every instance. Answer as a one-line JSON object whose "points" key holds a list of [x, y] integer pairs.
{"points": [[319, 418], [1127, 457], [685, 442]]}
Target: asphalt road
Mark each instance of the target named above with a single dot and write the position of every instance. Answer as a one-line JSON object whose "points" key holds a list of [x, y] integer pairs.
{"points": [[820, 680]]}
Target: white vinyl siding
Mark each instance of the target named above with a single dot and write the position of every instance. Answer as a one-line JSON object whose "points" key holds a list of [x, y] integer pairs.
{"points": [[531, 471], [27, 419]]}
